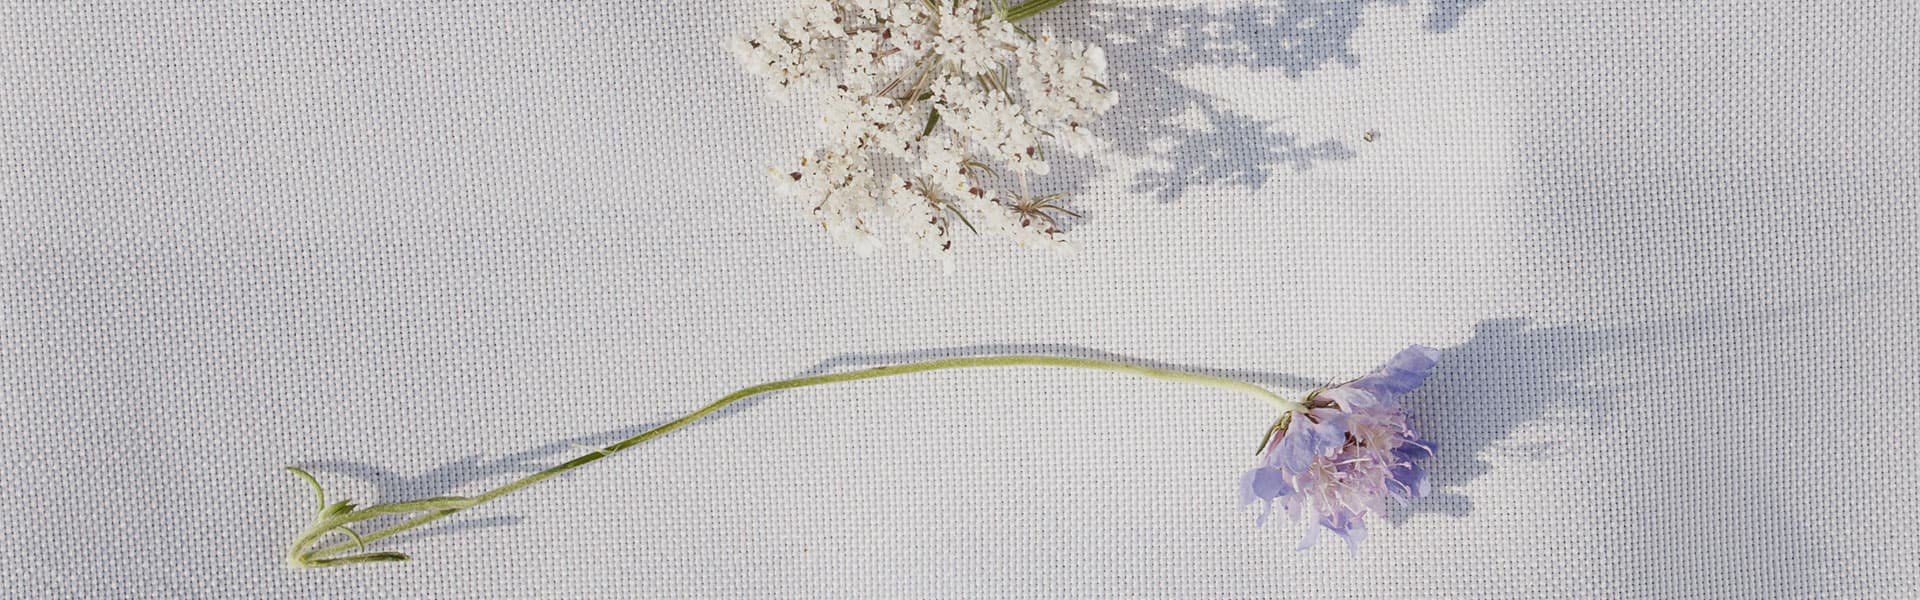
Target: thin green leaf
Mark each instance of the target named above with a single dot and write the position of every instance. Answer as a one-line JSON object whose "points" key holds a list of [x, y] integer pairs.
{"points": [[358, 544], [933, 118], [338, 508], [974, 164], [359, 558], [963, 218], [1044, 201], [1063, 210], [319, 495], [1023, 33], [1030, 8], [1051, 222]]}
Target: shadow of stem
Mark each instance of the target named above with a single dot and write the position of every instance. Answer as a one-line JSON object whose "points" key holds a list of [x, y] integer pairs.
{"points": [[1508, 374]]}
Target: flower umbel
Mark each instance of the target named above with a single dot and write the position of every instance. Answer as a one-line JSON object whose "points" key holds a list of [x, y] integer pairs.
{"points": [[1346, 450], [926, 106]]}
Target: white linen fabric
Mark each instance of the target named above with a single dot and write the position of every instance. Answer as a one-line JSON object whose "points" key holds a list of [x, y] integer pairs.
{"points": [[1669, 250]]}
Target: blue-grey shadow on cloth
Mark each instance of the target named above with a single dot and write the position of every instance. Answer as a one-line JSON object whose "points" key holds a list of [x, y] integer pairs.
{"points": [[1147, 49], [1508, 374], [1444, 15], [1512, 373]]}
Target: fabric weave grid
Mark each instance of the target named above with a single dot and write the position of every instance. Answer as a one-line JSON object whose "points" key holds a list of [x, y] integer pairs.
{"points": [[1667, 253]]}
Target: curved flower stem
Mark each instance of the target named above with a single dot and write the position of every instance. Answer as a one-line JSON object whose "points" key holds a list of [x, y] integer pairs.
{"points": [[439, 508]]}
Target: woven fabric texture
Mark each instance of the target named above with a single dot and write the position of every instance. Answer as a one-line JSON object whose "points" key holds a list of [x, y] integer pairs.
{"points": [[1669, 250]]}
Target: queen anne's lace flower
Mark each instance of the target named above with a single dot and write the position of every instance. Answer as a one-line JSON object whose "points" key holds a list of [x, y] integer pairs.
{"points": [[1349, 449], [935, 115]]}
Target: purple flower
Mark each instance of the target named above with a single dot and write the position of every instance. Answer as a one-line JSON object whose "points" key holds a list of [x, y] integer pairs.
{"points": [[1348, 449]]}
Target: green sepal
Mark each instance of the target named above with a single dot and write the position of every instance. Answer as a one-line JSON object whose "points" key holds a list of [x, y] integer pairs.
{"points": [[336, 509], [1278, 426]]}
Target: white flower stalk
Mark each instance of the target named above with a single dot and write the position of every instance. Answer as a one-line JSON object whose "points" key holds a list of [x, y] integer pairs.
{"points": [[936, 115]]}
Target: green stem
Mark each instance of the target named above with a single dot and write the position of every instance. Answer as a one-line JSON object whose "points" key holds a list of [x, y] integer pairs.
{"points": [[319, 557], [1030, 8]]}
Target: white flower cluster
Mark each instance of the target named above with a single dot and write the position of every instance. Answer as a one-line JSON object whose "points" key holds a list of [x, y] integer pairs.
{"points": [[928, 105]]}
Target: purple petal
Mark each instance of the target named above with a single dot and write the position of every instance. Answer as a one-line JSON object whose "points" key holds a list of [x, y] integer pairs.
{"points": [[1350, 397], [1412, 476], [1415, 358], [1263, 484], [1348, 526], [1414, 450], [1294, 452], [1331, 430], [1404, 372], [1305, 439], [1313, 537], [1353, 531]]}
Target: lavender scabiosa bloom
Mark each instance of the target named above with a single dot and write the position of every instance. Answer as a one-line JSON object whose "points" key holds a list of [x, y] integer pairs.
{"points": [[1344, 452]]}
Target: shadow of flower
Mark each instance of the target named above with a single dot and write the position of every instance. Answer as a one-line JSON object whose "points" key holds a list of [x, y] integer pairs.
{"points": [[1196, 140], [1445, 15], [1508, 375]]}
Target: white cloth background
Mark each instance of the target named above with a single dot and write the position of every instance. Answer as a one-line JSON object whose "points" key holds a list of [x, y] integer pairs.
{"points": [[1669, 249]]}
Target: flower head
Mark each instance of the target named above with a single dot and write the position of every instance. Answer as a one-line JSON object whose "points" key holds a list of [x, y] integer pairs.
{"points": [[1347, 450], [926, 105]]}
